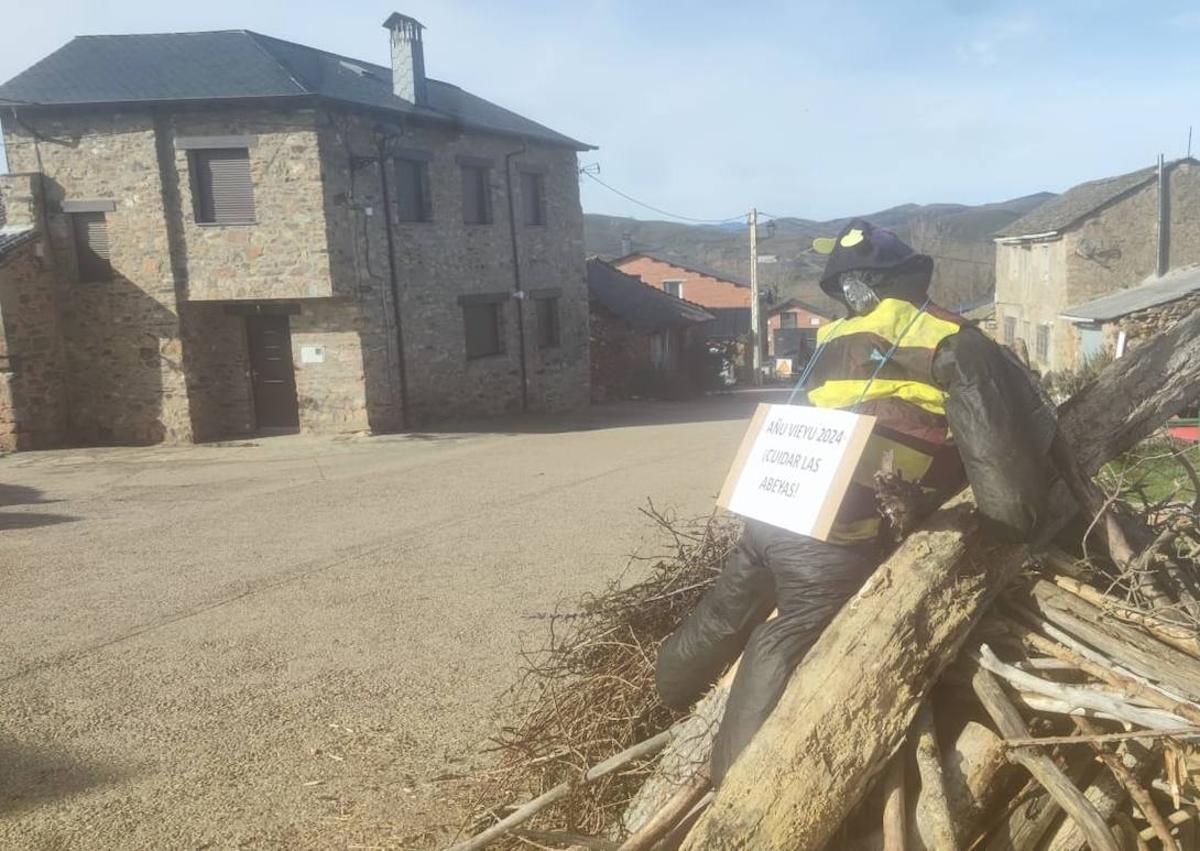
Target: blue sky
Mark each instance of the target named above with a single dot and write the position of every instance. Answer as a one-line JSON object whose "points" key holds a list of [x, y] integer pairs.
{"points": [[809, 109]]}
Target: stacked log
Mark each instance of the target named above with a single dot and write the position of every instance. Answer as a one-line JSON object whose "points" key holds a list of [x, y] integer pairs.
{"points": [[976, 695]]}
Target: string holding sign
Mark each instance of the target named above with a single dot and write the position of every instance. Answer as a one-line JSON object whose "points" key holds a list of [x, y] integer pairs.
{"points": [[794, 466]]}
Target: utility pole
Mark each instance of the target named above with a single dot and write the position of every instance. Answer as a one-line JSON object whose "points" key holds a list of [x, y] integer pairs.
{"points": [[755, 330]]}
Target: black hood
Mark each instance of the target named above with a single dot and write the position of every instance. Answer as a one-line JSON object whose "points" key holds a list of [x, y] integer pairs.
{"points": [[862, 246]]}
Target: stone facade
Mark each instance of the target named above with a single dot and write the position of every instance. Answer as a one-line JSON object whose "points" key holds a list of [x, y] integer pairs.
{"points": [[1113, 248], [33, 410], [160, 352]]}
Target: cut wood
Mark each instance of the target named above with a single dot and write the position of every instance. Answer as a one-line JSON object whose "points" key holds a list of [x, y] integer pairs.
{"points": [[978, 776], [932, 818], [894, 827], [673, 812], [1179, 637], [1137, 794], [1082, 697], [1125, 645], [1043, 769], [848, 705]]}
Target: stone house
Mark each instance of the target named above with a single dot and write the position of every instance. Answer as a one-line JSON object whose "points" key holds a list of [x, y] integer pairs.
{"points": [[792, 328], [645, 342], [271, 236], [1093, 240]]}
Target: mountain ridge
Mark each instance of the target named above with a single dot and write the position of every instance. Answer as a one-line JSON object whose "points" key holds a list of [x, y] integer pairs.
{"points": [[958, 236]]}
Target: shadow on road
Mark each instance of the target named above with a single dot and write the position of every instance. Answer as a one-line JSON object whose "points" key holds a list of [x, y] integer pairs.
{"points": [[32, 775], [22, 495]]}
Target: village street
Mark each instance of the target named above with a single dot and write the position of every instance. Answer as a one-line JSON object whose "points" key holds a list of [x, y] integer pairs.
{"points": [[299, 642]]}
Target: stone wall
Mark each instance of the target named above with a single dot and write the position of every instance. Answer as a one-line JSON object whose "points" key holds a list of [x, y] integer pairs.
{"points": [[1117, 246], [1143, 325], [124, 354], [438, 261], [33, 400], [283, 254]]}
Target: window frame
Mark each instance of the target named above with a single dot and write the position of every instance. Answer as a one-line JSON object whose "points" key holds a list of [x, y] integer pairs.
{"points": [[789, 319], [204, 205], [537, 196], [678, 283], [1042, 343], [1010, 329], [494, 304], [419, 164], [552, 303], [482, 185], [98, 270]]}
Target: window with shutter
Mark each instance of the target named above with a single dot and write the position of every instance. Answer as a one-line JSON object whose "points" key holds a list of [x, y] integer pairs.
{"points": [[222, 187], [91, 247], [477, 195], [1010, 329], [411, 189], [533, 198], [1043, 343]]}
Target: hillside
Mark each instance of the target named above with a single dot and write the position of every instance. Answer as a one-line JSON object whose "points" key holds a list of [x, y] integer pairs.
{"points": [[957, 235]]}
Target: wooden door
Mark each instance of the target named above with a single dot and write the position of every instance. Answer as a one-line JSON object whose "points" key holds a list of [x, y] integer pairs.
{"points": [[274, 381]]}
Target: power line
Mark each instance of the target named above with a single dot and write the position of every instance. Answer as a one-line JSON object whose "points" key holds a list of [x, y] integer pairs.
{"points": [[662, 212]]}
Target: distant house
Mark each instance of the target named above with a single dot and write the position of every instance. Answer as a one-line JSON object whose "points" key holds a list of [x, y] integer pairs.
{"points": [[792, 329], [644, 341], [726, 297], [1056, 262]]}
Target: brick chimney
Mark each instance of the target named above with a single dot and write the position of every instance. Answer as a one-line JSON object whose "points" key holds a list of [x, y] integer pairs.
{"points": [[408, 58]]}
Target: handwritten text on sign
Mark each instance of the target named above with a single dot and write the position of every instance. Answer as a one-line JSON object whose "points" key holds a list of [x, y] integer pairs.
{"points": [[794, 466]]}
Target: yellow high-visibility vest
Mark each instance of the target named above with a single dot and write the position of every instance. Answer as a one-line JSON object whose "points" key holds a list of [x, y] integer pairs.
{"points": [[882, 364]]}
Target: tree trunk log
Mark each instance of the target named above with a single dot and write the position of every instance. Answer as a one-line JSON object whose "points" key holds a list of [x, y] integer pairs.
{"points": [[1115, 411], [849, 704]]}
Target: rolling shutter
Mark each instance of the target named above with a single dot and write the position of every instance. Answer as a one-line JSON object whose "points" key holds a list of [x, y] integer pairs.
{"points": [[91, 247], [224, 190]]}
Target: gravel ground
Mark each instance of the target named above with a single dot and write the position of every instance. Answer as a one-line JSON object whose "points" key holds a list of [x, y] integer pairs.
{"points": [[300, 643]]}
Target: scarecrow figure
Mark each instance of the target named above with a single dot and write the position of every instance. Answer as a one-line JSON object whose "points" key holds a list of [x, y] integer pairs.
{"points": [[951, 407]]}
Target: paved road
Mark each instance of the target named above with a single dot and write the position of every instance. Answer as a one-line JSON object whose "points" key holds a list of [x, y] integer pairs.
{"points": [[296, 642]]}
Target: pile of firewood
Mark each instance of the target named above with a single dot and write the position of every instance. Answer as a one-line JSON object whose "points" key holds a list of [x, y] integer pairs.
{"points": [[972, 694]]}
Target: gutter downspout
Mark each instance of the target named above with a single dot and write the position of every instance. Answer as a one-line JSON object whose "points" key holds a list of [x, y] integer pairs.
{"points": [[381, 146], [518, 293]]}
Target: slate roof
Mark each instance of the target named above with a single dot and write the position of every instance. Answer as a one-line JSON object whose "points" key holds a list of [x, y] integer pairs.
{"points": [[12, 237], [239, 64], [803, 305], [1080, 201], [1152, 292], [638, 303]]}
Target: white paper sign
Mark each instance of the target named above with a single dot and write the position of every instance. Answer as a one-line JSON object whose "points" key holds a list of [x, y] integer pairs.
{"points": [[312, 354], [794, 466]]}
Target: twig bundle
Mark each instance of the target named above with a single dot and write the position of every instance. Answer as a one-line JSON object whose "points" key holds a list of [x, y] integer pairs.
{"points": [[590, 693]]}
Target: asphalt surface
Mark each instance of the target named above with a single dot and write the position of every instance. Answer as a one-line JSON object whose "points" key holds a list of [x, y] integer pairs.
{"points": [[301, 643]]}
